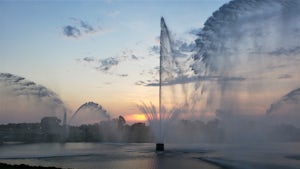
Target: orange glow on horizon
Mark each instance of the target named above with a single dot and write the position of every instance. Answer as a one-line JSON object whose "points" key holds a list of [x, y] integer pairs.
{"points": [[135, 118]]}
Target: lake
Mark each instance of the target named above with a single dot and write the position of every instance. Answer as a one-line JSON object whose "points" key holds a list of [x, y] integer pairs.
{"points": [[143, 156]]}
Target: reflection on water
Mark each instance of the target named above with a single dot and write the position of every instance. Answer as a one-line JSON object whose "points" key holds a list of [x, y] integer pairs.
{"points": [[143, 156]]}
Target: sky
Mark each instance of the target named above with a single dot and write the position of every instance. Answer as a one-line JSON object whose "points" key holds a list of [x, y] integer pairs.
{"points": [[99, 51]]}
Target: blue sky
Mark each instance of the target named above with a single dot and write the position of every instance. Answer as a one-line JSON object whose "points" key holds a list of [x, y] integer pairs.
{"points": [[34, 44]]}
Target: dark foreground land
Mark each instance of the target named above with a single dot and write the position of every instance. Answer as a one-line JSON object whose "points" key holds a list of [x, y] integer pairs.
{"points": [[23, 166]]}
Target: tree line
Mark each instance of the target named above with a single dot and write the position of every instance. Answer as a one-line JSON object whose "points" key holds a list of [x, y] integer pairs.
{"points": [[50, 129]]}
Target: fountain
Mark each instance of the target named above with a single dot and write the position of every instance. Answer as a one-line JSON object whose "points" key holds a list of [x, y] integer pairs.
{"points": [[36, 100], [249, 54], [247, 46], [160, 146], [90, 113], [242, 51], [159, 120]]}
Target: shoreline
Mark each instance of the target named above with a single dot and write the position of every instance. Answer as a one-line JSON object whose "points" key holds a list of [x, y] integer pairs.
{"points": [[23, 166]]}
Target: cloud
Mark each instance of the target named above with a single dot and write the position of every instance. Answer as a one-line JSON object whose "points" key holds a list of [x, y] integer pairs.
{"points": [[186, 47], [88, 59], [134, 57], [140, 83], [154, 50], [181, 48], [151, 74], [284, 76], [108, 64], [278, 66], [86, 27], [286, 51], [81, 28], [71, 31], [123, 75], [186, 79], [195, 31]]}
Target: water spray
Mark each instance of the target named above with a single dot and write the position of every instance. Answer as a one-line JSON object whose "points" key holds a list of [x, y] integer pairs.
{"points": [[160, 145]]}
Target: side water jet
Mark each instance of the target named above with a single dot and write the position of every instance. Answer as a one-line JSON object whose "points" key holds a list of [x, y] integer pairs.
{"points": [[89, 113]]}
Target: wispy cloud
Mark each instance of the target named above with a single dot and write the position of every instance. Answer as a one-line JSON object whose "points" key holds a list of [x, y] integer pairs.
{"points": [[71, 31], [80, 28], [140, 83], [286, 51], [107, 65], [86, 27], [88, 59], [284, 76], [195, 31], [181, 48], [123, 75], [187, 79]]}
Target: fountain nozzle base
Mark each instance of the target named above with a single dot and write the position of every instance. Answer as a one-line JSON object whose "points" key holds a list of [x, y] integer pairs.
{"points": [[160, 147]]}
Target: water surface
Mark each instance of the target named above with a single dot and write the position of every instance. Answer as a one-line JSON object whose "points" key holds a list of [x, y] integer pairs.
{"points": [[143, 156]]}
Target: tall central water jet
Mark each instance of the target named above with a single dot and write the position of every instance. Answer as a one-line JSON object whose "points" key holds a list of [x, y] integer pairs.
{"points": [[173, 96], [165, 62], [160, 145]]}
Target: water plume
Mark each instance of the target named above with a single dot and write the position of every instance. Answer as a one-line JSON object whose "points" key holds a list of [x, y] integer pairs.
{"points": [[286, 109], [174, 96], [257, 40], [160, 122], [247, 56], [89, 113], [23, 100]]}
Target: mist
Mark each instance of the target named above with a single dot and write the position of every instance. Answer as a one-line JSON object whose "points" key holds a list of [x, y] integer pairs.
{"points": [[257, 41], [89, 113], [25, 101], [243, 82]]}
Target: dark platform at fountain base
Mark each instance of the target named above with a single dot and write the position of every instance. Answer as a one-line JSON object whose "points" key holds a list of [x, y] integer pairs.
{"points": [[160, 147]]}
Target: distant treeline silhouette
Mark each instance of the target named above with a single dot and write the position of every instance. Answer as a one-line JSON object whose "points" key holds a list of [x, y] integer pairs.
{"points": [[50, 130], [117, 130]]}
